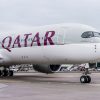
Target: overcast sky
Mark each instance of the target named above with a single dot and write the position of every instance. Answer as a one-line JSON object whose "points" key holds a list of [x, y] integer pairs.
{"points": [[44, 12]]}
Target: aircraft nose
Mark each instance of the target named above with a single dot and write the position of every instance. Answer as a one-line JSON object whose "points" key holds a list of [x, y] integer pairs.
{"points": [[97, 39], [94, 40]]}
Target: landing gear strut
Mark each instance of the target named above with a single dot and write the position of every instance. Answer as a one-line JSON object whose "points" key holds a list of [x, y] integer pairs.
{"points": [[85, 78]]}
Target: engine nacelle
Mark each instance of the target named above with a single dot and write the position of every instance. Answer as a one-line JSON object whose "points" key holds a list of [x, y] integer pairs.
{"points": [[46, 68]]}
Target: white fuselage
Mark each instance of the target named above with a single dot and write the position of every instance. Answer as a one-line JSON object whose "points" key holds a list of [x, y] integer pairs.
{"points": [[55, 44]]}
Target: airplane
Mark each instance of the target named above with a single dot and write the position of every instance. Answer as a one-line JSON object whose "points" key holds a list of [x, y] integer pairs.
{"points": [[47, 47]]}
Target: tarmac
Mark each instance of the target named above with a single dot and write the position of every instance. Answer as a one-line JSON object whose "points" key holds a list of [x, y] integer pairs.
{"points": [[58, 86]]}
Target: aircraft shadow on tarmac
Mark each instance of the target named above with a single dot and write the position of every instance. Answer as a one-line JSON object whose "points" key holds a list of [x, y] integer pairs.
{"points": [[41, 78]]}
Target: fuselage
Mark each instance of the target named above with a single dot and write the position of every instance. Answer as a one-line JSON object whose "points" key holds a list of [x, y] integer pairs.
{"points": [[52, 44]]}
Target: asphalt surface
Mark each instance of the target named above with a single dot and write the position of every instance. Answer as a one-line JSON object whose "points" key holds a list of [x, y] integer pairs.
{"points": [[58, 86]]}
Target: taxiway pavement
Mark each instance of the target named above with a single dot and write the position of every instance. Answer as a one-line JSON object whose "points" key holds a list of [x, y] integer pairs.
{"points": [[58, 86]]}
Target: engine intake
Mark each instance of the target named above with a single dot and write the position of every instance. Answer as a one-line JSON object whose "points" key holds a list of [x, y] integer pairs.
{"points": [[46, 68]]}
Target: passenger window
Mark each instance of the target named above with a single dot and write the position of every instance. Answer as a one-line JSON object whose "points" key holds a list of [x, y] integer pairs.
{"points": [[87, 34]]}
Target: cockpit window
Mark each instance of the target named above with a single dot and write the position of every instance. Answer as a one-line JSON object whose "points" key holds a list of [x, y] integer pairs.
{"points": [[96, 34], [87, 34], [90, 34]]}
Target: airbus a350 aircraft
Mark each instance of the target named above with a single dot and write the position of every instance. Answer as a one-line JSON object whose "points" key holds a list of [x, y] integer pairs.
{"points": [[50, 46]]}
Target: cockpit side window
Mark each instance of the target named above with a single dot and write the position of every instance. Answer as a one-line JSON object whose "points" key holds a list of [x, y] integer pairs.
{"points": [[87, 34], [96, 34]]}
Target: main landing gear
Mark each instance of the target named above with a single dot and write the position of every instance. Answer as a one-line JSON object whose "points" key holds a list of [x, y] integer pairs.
{"points": [[6, 72], [85, 78]]}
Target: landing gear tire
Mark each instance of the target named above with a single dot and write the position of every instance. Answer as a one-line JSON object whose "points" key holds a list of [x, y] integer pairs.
{"points": [[88, 79], [0, 73], [5, 73], [11, 73], [85, 79]]}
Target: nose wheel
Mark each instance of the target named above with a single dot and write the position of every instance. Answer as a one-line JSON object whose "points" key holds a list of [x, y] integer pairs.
{"points": [[85, 79]]}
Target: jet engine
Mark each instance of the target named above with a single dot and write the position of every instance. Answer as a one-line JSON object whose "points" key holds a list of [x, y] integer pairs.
{"points": [[46, 68]]}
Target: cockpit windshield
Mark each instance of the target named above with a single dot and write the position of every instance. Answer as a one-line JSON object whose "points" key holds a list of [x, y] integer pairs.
{"points": [[90, 34]]}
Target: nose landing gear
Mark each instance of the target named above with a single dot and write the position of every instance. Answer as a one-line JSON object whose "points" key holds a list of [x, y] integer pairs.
{"points": [[85, 78]]}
